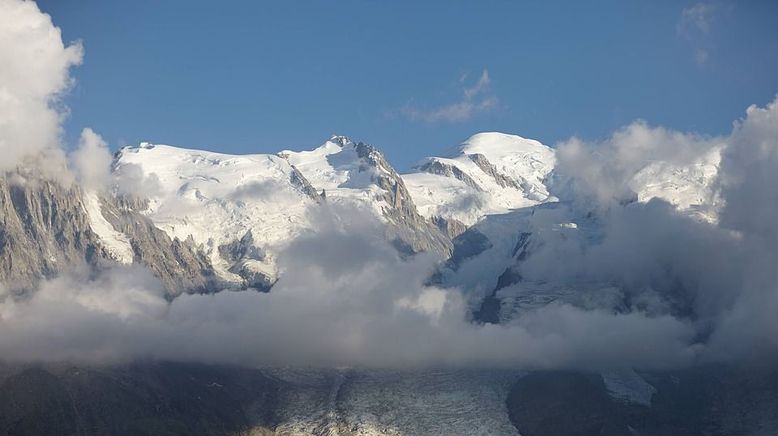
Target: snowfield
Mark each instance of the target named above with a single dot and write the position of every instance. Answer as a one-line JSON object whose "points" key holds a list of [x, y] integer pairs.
{"points": [[511, 175], [217, 198]]}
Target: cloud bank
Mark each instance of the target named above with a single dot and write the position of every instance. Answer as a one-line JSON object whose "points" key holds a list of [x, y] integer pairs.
{"points": [[345, 298]]}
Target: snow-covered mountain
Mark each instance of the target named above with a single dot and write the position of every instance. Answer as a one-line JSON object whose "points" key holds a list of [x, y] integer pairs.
{"points": [[47, 229], [506, 190], [241, 211], [236, 209], [204, 221], [490, 173]]}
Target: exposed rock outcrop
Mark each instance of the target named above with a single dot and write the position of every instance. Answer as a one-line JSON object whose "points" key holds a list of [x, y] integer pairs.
{"points": [[297, 179], [43, 231], [434, 166], [449, 226], [408, 226], [179, 265], [491, 170]]}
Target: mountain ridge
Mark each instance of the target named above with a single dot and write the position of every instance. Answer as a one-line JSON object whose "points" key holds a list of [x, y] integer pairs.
{"points": [[223, 219]]}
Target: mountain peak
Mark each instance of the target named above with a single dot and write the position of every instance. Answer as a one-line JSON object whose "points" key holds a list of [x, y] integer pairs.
{"points": [[340, 140], [493, 144]]}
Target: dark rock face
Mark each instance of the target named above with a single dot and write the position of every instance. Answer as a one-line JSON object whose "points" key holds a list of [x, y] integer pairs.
{"points": [[140, 399], [179, 265], [468, 244], [298, 179], [449, 226], [439, 168], [521, 250], [562, 403], [491, 305], [239, 253], [489, 168], [712, 400], [243, 248], [43, 231], [415, 232], [489, 312]]}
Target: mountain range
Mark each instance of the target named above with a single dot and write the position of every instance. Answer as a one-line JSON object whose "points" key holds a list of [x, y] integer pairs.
{"points": [[486, 211], [204, 221]]}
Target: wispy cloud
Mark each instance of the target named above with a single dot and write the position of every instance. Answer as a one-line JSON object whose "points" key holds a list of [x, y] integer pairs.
{"points": [[699, 17], [475, 99], [695, 25]]}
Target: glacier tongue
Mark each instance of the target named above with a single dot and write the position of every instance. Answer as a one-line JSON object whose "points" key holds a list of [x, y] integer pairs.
{"points": [[386, 402]]}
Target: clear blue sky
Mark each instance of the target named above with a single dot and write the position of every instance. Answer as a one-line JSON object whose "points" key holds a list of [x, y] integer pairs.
{"points": [[256, 76]]}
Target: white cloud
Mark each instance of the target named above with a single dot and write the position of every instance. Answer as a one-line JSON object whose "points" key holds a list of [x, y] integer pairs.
{"points": [[696, 24], [130, 179], [699, 17], [720, 275], [749, 176], [480, 86], [347, 299], [34, 73], [605, 172], [475, 99], [91, 161], [701, 56]]}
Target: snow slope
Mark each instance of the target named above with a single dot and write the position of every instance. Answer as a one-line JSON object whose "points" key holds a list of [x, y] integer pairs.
{"points": [[336, 168], [358, 175], [690, 188], [217, 199], [488, 174], [115, 242]]}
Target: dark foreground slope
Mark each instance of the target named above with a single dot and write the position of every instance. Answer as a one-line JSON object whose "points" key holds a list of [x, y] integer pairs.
{"points": [[141, 399], [715, 401], [154, 398]]}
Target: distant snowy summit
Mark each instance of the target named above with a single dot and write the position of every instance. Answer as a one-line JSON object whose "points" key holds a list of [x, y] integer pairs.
{"points": [[489, 173]]}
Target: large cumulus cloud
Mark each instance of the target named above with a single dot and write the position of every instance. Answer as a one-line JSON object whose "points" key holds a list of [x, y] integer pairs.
{"points": [[34, 73], [718, 275]]}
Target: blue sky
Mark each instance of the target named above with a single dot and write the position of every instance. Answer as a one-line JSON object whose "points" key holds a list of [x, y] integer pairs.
{"points": [[415, 77]]}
